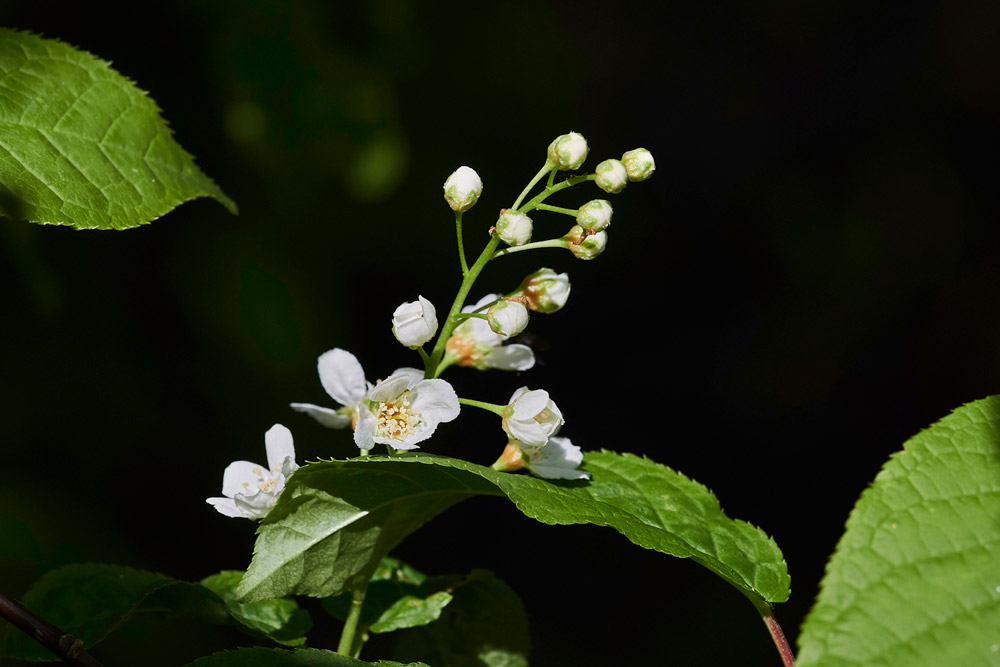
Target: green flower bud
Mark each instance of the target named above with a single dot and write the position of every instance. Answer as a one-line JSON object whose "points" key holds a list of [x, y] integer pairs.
{"points": [[568, 151], [611, 176], [585, 244], [514, 228], [544, 291], [595, 215], [507, 317], [462, 189], [639, 164]]}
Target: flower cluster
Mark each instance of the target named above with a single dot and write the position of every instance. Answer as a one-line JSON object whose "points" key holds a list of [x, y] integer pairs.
{"points": [[405, 409]]}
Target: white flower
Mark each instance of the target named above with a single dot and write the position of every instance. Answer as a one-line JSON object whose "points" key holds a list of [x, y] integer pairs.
{"points": [[545, 290], [462, 189], [403, 410], [473, 343], [250, 491], [507, 317], [342, 377], [612, 177], [568, 151], [414, 323], [514, 228], [558, 458], [639, 164], [595, 215], [531, 417]]}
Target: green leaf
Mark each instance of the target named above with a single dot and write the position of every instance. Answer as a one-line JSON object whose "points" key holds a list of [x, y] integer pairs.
{"points": [[915, 579], [88, 601], [278, 619], [484, 626], [80, 145], [265, 657], [397, 597], [336, 519]]}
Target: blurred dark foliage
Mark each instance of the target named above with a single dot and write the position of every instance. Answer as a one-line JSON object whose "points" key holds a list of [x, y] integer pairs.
{"points": [[810, 278]]}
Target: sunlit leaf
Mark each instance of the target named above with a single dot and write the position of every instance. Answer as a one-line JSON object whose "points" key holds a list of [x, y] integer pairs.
{"points": [[336, 519], [80, 145], [915, 579]]}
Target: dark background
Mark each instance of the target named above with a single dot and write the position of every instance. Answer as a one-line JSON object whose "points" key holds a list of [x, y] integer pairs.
{"points": [[810, 278]]}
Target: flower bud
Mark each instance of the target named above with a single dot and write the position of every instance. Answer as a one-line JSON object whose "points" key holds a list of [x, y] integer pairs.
{"points": [[639, 164], [507, 317], [414, 323], [462, 189], [584, 244], [595, 215], [568, 151], [545, 290], [514, 228], [611, 176]]}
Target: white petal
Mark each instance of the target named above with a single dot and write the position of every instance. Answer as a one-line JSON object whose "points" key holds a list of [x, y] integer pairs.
{"points": [[413, 376], [364, 432], [514, 357], [227, 507], [255, 506], [342, 377], [325, 416], [559, 459], [240, 476], [528, 432], [435, 401], [390, 388], [530, 404], [279, 446]]}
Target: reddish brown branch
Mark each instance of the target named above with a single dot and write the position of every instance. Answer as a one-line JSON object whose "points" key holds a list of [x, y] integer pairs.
{"points": [[787, 657], [64, 645]]}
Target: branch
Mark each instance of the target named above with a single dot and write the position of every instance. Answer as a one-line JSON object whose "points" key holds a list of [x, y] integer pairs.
{"points": [[64, 645]]}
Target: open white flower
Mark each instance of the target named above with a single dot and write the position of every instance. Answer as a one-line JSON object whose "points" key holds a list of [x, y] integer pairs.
{"points": [[531, 417], [558, 458], [250, 490], [404, 409], [343, 378], [473, 343], [415, 323]]}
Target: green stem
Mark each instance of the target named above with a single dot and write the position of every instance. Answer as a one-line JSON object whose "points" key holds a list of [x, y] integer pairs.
{"points": [[544, 194], [461, 243], [767, 613], [558, 209], [491, 407], [450, 322], [551, 243], [349, 644], [549, 166]]}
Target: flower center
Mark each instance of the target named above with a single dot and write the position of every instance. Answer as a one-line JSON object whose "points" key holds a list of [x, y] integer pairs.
{"points": [[395, 418], [265, 479]]}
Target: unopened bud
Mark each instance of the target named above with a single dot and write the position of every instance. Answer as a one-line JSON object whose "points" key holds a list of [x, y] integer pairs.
{"points": [[414, 323], [595, 215], [462, 189], [514, 228], [507, 317], [611, 176], [639, 164], [584, 244], [545, 291], [568, 151]]}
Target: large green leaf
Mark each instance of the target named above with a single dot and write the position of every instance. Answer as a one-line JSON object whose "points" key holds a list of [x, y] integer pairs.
{"points": [[92, 600], [915, 579], [80, 145], [336, 519]]}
